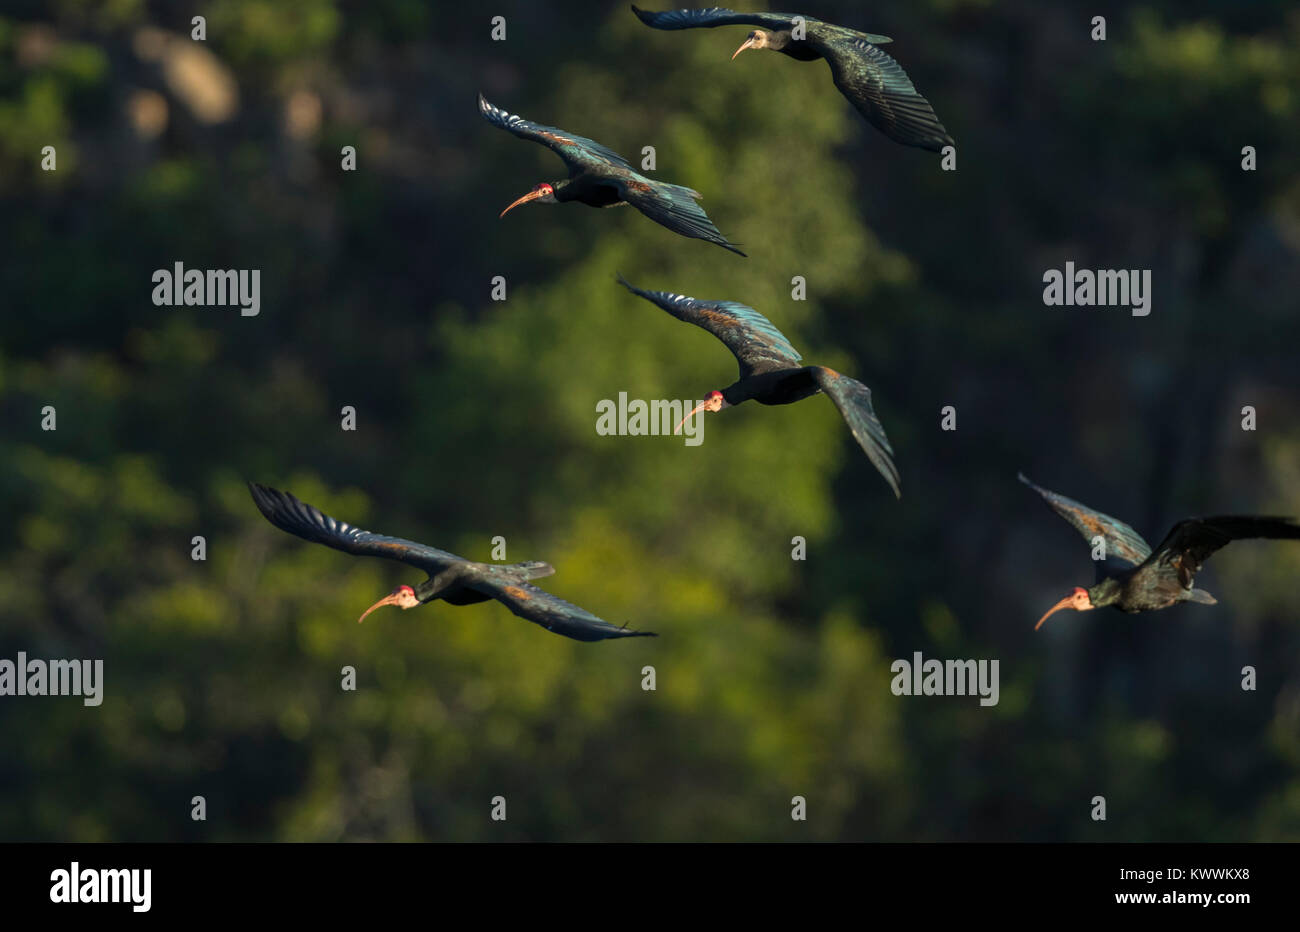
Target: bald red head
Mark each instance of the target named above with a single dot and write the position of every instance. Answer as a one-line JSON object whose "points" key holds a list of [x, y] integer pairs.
{"points": [[403, 597], [1079, 600], [713, 401]]}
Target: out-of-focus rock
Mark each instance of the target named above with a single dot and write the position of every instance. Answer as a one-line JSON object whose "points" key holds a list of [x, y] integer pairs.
{"points": [[193, 74], [148, 113], [302, 114]]}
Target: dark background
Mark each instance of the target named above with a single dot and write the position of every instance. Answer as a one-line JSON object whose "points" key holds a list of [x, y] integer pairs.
{"points": [[477, 419]]}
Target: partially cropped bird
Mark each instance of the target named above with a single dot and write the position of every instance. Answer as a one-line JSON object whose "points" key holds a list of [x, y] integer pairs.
{"points": [[600, 177], [1159, 578], [771, 372], [451, 578], [872, 81]]}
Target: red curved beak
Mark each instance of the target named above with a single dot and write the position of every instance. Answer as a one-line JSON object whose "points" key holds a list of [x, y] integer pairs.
{"points": [[748, 44], [530, 196], [1067, 602], [703, 405], [393, 598]]}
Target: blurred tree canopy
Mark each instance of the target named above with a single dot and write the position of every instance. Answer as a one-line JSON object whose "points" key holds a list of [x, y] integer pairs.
{"points": [[476, 419]]}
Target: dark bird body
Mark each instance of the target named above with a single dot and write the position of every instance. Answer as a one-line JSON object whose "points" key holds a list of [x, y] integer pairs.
{"points": [[600, 177], [1156, 578], [872, 81], [451, 578], [772, 373]]}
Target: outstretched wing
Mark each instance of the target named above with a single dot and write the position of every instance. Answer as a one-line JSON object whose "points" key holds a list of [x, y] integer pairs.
{"points": [[302, 520], [552, 613], [579, 153], [675, 207], [872, 81], [714, 16], [750, 336], [721, 16], [1122, 542], [854, 401], [1189, 543], [880, 89]]}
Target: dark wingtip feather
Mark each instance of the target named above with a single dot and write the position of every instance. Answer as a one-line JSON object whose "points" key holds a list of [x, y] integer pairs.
{"points": [[490, 111], [264, 497], [933, 144], [639, 292], [283, 510], [889, 471], [277, 507], [1035, 486], [650, 295]]}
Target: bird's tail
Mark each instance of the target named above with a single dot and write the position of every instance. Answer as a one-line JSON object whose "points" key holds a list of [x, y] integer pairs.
{"points": [[1200, 595]]}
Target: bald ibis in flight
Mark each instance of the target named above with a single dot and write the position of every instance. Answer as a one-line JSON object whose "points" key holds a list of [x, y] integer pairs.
{"points": [[600, 177], [1163, 577], [451, 578], [771, 372], [872, 81]]}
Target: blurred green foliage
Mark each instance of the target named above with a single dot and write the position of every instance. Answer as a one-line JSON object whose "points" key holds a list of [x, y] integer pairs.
{"points": [[477, 419]]}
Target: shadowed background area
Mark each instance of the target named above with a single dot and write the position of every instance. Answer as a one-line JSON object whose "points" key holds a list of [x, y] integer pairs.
{"points": [[477, 419]]}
